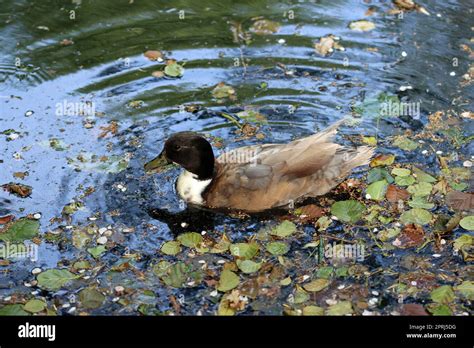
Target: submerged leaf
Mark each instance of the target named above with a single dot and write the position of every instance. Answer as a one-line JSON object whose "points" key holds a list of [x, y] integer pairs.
{"points": [[316, 285], [362, 25], [228, 281], [348, 211], [20, 230], [416, 216], [443, 294], [284, 229], [54, 279]]}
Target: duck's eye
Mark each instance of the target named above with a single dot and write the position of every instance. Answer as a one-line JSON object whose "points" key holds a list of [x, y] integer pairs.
{"points": [[177, 147]]}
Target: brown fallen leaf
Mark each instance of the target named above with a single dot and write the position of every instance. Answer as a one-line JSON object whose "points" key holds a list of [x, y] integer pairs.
{"points": [[66, 42], [19, 190], [413, 309], [5, 219], [395, 194], [460, 201], [327, 45], [412, 235], [158, 74], [382, 160], [310, 212], [409, 5], [112, 129], [153, 55], [20, 175]]}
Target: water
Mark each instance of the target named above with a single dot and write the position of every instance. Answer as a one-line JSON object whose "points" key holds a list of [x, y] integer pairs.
{"points": [[297, 90]]}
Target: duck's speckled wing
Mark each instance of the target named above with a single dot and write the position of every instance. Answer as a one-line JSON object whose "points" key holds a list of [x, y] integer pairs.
{"points": [[274, 175]]}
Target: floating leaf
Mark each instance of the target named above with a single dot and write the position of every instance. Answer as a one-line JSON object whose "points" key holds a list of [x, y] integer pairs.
{"points": [[405, 143], [190, 239], [340, 308], [284, 229], [362, 25], [420, 202], [464, 241], [19, 190], [223, 91], [228, 281], [221, 246], [327, 45], [300, 295], [348, 211], [244, 250], [278, 248], [313, 310], [416, 216], [34, 306], [176, 274], [377, 174], [382, 160], [20, 230], [13, 309], [395, 194], [97, 251], [248, 266], [412, 235], [325, 272], [171, 248], [421, 176], [440, 309], [153, 55], [388, 234], [401, 171], [377, 190], [173, 69], [265, 27], [91, 298], [421, 189], [466, 288], [404, 180], [443, 294], [54, 279], [316, 285], [467, 223]]}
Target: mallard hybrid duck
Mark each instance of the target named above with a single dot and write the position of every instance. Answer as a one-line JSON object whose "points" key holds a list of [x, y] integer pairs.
{"points": [[259, 177]]}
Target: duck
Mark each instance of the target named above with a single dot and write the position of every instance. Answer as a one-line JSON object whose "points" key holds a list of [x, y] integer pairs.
{"points": [[259, 177]]}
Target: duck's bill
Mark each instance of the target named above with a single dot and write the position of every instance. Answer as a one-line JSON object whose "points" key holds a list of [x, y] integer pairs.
{"points": [[158, 164]]}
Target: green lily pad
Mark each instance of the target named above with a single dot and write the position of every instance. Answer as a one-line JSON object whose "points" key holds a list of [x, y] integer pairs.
{"points": [[244, 250], [439, 309], [420, 202], [416, 216], [176, 275], [443, 294], [340, 308], [405, 143], [348, 211], [421, 176], [377, 174], [173, 69], [91, 298], [54, 279], [190, 239], [20, 230], [404, 180], [248, 266], [284, 229], [467, 223], [171, 248], [265, 27], [228, 281], [316, 285], [278, 248], [466, 288], [34, 306], [97, 251], [421, 189], [377, 190], [401, 171], [313, 310], [13, 309]]}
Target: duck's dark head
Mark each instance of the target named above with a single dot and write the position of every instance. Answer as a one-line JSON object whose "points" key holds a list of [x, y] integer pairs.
{"points": [[188, 149]]}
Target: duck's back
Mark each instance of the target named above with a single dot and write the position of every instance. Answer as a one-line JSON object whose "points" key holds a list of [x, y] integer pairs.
{"points": [[275, 175]]}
